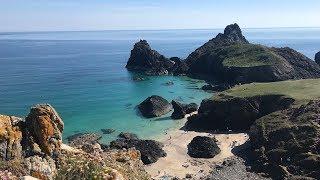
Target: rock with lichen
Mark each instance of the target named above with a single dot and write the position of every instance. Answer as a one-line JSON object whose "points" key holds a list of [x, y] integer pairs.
{"points": [[45, 127]]}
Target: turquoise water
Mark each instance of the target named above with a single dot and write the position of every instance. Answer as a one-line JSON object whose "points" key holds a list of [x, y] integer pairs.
{"points": [[82, 74]]}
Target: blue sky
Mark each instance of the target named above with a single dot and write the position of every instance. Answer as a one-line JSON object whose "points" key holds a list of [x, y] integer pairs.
{"points": [[60, 15]]}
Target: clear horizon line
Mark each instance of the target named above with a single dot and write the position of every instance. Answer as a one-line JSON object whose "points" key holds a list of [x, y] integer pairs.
{"points": [[160, 29]]}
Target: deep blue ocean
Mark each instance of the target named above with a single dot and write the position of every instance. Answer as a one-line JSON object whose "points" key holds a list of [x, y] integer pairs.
{"points": [[83, 75]]}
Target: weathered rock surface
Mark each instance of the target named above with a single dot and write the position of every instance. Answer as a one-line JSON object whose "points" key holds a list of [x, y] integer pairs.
{"points": [[286, 143], [154, 106], [235, 113], [317, 58], [45, 126], [10, 137], [144, 59], [180, 110], [203, 147], [150, 150]]}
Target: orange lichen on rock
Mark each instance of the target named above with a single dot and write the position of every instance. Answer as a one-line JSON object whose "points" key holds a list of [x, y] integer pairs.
{"points": [[10, 137], [46, 127]]}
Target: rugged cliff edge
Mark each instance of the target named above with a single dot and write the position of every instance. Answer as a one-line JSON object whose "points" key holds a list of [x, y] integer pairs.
{"points": [[33, 147], [228, 58], [282, 119]]}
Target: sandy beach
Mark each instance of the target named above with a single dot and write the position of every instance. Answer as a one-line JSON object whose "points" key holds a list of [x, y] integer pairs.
{"points": [[178, 163]]}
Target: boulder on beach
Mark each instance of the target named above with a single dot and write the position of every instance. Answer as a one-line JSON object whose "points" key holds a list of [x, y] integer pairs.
{"points": [[203, 147], [190, 108], [154, 106], [180, 110], [150, 150]]}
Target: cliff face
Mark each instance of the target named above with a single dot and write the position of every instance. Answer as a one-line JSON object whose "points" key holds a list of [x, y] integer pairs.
{"points": [[33, 147]]}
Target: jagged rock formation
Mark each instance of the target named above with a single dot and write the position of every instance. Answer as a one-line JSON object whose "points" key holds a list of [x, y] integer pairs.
{"points": [[34, 142], [286, 143], [235, 113], [45, 127], [232, 34], [154, 106], [150, 150], [317, 58], [149, 61], [231, 58], [203, 147]]}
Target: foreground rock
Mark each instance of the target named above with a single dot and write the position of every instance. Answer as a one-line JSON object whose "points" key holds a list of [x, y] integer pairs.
{"points": [[144, 59], [286, 143], [180, 110], [45, 126], [29, 147], [154, 106], [224, 113], [150, 150], [203, 147], [32, 148], [317, 58]]}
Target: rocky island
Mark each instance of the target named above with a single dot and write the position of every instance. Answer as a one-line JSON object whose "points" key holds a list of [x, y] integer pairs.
{"points": [[228, 58]]}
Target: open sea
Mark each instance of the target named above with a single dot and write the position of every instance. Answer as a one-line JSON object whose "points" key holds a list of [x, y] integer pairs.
{"points": [[83, 75]]}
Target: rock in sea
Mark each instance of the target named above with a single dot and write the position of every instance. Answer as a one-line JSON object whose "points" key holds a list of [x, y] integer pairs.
{"points": [[108, 131], [154, 106], [203, 147]]}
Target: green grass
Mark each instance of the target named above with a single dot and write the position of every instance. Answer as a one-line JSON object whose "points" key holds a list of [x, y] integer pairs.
{"points": [[301, 90], [248, 55]]}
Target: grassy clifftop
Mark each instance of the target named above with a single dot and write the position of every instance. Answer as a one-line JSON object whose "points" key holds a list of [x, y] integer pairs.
{"points": [[248, 55], [300, 90]]}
